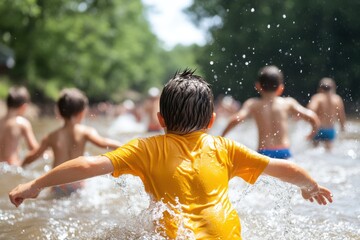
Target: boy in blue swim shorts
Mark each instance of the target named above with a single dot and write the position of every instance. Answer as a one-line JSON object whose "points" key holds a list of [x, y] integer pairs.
{"points": [[271, 113], [330, 108]]}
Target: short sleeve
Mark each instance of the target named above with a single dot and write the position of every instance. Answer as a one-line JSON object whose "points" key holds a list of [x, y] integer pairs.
{"points": [[126, 159], [246, 163]]}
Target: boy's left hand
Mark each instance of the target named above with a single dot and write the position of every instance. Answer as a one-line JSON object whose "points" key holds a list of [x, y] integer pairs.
{"points": [[320, 194]]}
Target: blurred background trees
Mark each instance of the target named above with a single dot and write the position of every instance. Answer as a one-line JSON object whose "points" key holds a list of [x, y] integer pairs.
{"points": [[106, 47], [307, 39], [102, 47]]}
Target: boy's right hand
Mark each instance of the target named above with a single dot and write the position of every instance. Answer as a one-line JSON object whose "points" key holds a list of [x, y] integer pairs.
{"points": [[22, 192]]}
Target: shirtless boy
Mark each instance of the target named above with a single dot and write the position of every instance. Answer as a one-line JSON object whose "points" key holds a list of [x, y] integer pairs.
{"points": [[271, 113], [69, 141], [330, 108], [14, 127]]}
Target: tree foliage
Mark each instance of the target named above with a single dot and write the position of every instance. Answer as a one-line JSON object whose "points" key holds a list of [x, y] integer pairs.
{"points": [[103, 47], [308, 40]]}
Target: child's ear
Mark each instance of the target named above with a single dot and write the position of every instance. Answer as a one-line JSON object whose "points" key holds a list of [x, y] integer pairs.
{"points": [[258, 87], [212, 120], [280, 90], [81, 115], [161, 120], [22, 109]]}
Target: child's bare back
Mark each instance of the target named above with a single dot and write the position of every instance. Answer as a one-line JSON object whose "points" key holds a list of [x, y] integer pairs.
{"points": [[68, 142], [328, 105], [271, 116], [14, 127]]}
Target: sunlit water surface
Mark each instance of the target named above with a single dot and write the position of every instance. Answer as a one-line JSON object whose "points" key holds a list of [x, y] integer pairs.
{"points": [[109, 208]]}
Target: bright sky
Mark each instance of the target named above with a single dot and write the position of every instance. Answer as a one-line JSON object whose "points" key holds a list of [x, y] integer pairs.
{"points": [[171, 25]]}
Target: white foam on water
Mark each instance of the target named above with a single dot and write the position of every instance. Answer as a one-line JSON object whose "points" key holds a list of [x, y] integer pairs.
{"points": [[109, 208]]}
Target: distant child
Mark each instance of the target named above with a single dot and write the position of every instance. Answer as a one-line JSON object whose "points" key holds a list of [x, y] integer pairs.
{"points": [[330, 108], [69, 141], [14, 127], [151, 107], [186, 168], [271, 113]]}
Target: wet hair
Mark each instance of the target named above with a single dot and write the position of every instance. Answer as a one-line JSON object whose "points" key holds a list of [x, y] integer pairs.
{"points": [[186, 103], [327, 84], [270, 78], [17, 97], [72, 101]]}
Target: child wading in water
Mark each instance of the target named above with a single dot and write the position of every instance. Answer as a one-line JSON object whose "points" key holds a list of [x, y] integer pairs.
{"points": [[14, 126], [184, 166], [271, 113], [69, 140], [330, 108]]}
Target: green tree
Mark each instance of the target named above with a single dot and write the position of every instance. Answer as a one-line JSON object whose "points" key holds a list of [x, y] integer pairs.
{"points": [[101, 47], [306, 39]]}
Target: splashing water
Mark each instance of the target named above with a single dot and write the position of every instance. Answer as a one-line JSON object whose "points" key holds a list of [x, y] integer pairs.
{"points": [[109, 208]]}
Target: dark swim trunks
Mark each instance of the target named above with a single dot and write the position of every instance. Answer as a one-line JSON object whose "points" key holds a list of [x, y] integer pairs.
{"points": [[283, 153]]}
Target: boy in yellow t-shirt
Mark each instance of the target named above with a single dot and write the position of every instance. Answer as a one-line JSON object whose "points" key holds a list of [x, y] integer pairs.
{"points": [[185, 166]]}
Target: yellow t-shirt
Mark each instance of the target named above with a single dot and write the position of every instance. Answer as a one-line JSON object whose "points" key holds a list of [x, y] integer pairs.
{"points": [[194, 170]]}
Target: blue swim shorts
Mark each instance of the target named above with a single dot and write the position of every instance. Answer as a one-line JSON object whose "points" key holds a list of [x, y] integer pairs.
{"points": [[325, 134], [283, 153]]}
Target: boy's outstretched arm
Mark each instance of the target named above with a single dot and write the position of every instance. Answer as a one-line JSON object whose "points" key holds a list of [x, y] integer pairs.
{"points": [[70, 171], [238, 117], [36, 153], [290, 172], [340, 112], [28, 134], [306, 114], [100, 141]]}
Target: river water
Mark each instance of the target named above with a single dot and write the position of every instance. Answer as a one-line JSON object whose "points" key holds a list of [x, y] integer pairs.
{"points": [[109, 208]]}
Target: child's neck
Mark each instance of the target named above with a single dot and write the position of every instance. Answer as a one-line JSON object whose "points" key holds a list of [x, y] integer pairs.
{"points": [[71, 122], [180, 133], [269, 95], [14, 113]]}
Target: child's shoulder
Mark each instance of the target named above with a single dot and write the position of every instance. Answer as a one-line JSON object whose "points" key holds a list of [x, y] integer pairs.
{"points": [[22, 121], [252, 101], [288, 99]]}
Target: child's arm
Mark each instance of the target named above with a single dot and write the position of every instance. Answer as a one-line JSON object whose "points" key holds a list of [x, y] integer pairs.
{"points": [[36, 153], [28, 134], [306, 114], [239, 116], [294, 174], [313, 103], [340, 111], [94, 137], [70, 171]]}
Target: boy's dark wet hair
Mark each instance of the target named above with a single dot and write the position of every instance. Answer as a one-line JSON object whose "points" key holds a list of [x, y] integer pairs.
{"points": [[270, 78], [327, 84], [17, 97], [71, 102], [186, 103]]}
